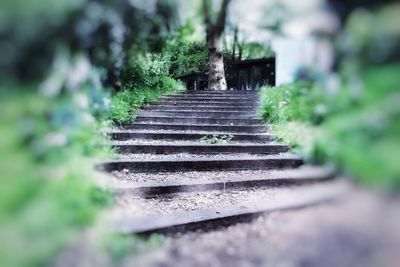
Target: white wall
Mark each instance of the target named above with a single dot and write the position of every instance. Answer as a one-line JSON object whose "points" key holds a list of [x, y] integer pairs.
{"points": [[291, 54]]}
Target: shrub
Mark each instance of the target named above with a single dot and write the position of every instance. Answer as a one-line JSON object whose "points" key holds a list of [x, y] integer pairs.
{"points": [[124, 104], [358, 133], [48, 192], [297, 101]]}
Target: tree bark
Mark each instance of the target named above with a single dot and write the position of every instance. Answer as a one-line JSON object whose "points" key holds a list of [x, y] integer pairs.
{"points": [[214, 31]]}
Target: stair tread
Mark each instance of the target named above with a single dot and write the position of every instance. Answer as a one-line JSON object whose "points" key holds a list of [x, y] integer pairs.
{"points": [[206, 158], [155, 217]]}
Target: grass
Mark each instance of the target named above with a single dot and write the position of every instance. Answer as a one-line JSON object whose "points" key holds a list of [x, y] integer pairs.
{"points": [[359, 134], [126, 103]]}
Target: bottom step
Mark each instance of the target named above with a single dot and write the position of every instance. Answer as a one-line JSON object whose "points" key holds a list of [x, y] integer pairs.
{"points": [[252, 204]]}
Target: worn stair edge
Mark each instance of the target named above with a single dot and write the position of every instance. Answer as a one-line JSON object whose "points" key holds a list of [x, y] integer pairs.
{"points": [[210, 92], [123, 136], [197, 120], [206, 102], [230, 163], [296, 177], [202, 148], [211, 105], [192, 220], [220, 98], [215, 98], [197, 108], [196, 127], [204, 114], [184, 94]]}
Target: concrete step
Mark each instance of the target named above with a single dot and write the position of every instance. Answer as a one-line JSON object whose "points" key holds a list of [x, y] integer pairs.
{"points": [[197, 108], [291, 177], [159, 135], [239, 102], [196, 127], [210, 97], [203, 148], [209, 92], [196, 120], [279, 161], [204, 114], [201, 105], [209, 218]]}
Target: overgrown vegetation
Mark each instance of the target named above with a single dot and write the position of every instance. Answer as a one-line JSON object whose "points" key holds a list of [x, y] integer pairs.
{"points": [[149, 80], [187, 53], [355, 126], [359, 134], [55, 103], [49, 190]]}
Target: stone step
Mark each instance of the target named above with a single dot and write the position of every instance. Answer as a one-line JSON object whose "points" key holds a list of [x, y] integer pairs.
{"points": [[279, 161], [196, 127], [197, 108], [209, 97], [209, 92], [202, 106], [203, 148], [239, 102], [204, 114], [209, 218], [196, 120], [159, 135], [297, 176]]}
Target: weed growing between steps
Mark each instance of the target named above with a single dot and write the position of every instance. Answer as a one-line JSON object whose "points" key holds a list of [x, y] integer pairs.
{"points": [[151, 81], [48, 192], [216, 138], [360, 136]]}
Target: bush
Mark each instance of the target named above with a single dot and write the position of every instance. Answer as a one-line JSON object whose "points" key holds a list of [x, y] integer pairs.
{"points": [[145, 79], [188, 57], [48, 191], [360, 134], [124, 104], [297, 101]]}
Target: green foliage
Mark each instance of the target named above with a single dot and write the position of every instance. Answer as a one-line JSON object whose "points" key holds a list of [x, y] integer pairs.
{"points": [[360, 135], [297, 101], [48, 190], [216, 139], [187, 53], [188, 57], [124, 104], [253, 50], [359, 127], [365, 142]]}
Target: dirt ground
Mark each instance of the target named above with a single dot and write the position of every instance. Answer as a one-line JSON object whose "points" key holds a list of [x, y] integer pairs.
{"points": [[360, 230]]}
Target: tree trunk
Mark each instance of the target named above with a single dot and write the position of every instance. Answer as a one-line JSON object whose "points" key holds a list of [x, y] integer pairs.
{"points": [[214, 31], [216, 72]]}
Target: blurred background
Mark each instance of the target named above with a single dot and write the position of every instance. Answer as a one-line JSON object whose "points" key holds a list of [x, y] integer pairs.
{"points": [[71, 68]]}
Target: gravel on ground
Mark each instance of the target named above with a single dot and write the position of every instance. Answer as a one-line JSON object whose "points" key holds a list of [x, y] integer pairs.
{"points": [[184, 142], [130, 206], [362, 230], [193, 176], [189, 156]]}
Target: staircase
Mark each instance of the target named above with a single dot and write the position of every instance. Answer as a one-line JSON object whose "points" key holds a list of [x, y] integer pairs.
{"points": [[192, 144]]}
